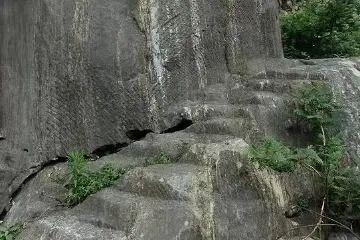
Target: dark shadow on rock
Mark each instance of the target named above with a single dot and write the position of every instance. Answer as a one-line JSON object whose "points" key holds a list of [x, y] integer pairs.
{"points": [[108, 149], [137, 134], [182, 125]]}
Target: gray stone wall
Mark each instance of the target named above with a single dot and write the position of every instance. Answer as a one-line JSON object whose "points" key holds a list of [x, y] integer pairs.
{"points": [[79, 73]]}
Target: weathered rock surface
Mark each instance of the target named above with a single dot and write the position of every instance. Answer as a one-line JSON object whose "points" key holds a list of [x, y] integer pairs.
{"points": [[79, 74], [210, 191]]}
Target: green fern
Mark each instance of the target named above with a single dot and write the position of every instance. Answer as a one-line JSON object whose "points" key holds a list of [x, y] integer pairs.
{"points": [[10, 232], [273, 154], [315, 106]]}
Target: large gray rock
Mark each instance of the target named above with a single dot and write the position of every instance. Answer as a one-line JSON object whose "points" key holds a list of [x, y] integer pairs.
{"points": [[213, 192], [343, 75], [84, 72], [78, 74]]}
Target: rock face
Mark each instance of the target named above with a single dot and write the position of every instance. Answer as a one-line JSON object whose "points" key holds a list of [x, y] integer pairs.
{"points": [[210, 191], [84, 72], [79, 74]]}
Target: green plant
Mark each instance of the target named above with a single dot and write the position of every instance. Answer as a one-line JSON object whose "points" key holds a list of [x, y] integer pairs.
{"points": [[281, 158], [344, 193], [10, 232], [322, 28], [161, 158], [273, 154], [83, 182], [315, 106]]}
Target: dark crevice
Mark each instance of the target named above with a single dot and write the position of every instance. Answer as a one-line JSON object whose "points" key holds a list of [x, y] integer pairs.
{"points": [[99, 152], [60, 159], [307, 62], [182, 125], [134, 135], [3, 214], [37, 169], [137, 134], [107, 150]]}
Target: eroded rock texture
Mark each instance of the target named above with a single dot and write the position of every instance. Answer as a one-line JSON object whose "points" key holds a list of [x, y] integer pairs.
{"points": [[83, 72], [78, 74], [211, 190]]}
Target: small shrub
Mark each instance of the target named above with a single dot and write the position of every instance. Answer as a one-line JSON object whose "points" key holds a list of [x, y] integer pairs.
{"points": [[315, 105], [281, 158], [322, 29], [344, 193], [308, 157], [83, 182], [273, 154], [161, 158], [341, 182], [332, 153], [10, 232]]}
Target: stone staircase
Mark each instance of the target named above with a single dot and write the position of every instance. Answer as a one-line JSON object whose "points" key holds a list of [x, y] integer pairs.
{"points": [[210, 191]]}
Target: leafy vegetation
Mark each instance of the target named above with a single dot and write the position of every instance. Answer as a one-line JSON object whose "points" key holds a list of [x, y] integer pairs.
{"points": [[273, 154], [10, 232], [315, 106], [281, 158], [321, 29], [340, 182], [83, 182], [161, 158]]}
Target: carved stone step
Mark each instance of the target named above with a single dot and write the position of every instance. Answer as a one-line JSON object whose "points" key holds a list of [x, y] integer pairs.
{"points": [[239, 127]]}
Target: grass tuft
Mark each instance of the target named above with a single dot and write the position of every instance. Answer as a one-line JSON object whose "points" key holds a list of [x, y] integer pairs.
{"points": [[83, 182]]}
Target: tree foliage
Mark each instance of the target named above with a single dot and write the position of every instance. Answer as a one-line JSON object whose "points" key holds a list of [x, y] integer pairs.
{"points": [[321, 29]]}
